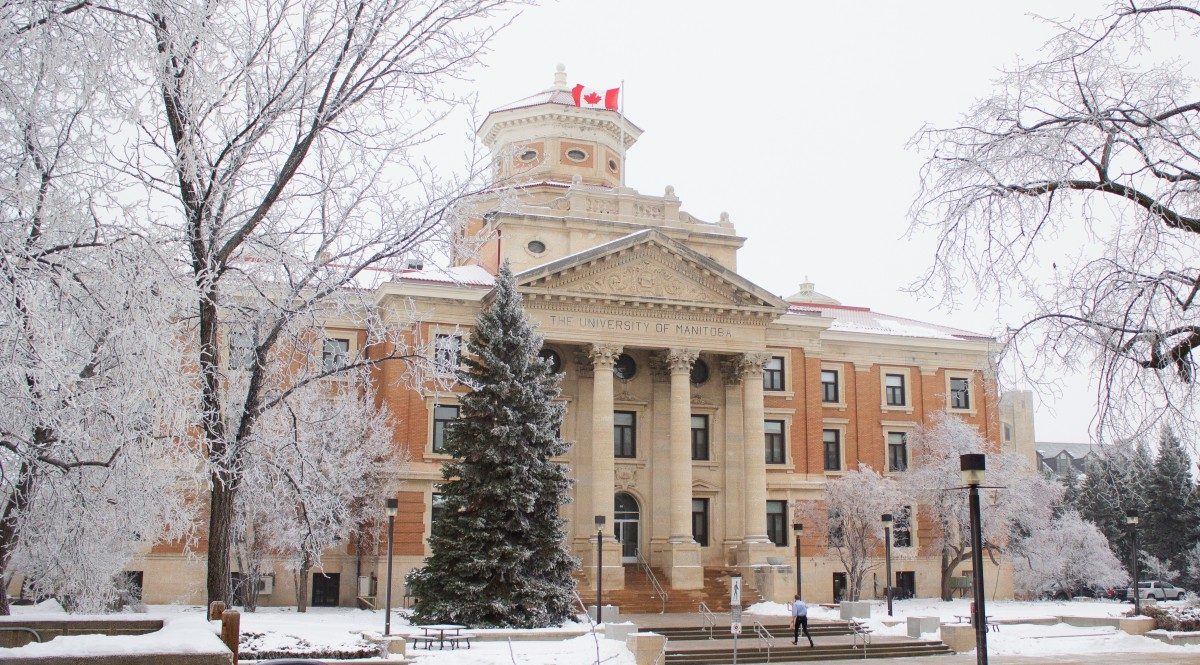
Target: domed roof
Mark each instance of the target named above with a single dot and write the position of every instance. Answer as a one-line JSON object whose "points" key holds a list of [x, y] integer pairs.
{"points": [[808, 294]]}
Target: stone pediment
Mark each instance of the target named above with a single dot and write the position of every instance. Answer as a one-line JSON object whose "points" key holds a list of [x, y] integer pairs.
{"points": [[651, 267]]}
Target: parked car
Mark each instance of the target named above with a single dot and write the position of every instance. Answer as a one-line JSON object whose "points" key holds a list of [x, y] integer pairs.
{"points": [[1157, 590]]}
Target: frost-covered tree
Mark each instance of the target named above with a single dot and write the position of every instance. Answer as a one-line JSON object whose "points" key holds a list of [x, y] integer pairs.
{"points": [[1068, 556], [89, 397], [1171, 522], [1023, 505], [1114, 483], [322, 461], [277, 147], [1154, 568], [850, 516], [498, 557], [1096, 138]]}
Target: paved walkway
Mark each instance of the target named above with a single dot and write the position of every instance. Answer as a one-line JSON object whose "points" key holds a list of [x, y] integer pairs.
{"points": [[1088, 659]]}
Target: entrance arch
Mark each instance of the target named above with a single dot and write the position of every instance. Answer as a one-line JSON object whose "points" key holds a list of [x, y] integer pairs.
{"points": [[626, 518]]}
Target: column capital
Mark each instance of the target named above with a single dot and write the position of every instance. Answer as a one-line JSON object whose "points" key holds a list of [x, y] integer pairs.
{"points": [[681, 360], [751, 364], [604, 356]]}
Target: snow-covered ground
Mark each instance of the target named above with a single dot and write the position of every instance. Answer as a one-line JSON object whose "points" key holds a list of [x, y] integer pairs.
{"points": [[1013, 639]]}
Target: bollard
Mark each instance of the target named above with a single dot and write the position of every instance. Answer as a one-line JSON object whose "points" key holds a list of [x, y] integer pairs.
{"points": [[215, 610], [231, 631]]}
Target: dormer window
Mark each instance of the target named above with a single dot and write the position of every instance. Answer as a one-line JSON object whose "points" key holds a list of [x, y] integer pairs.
{"points": [[577, 155]]}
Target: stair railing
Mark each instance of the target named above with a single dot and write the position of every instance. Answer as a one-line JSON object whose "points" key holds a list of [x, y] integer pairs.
{"points": [[710, 619], [860, 634], [764, 638], [654, 584]]}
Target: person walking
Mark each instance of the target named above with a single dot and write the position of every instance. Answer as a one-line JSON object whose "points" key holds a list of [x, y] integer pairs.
{"points": [[800, 616]]}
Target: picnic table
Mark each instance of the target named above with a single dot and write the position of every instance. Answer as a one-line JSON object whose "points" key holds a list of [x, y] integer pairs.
{"points": [[966, 618], [446, 632]]}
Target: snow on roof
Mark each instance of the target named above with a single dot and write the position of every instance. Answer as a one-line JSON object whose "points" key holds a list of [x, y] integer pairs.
{"points": [[471, 275], [1054, 449], [549, 96], [863, 320]]}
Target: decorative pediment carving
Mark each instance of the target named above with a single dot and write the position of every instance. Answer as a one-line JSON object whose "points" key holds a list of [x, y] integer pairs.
{"points": [[652, 273]]}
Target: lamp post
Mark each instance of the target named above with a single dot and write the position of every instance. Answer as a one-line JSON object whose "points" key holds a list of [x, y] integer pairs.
{"points": [[887, 557], [799, 529], [973, 467], [599, 564], [1131, 518], [392, 504]]}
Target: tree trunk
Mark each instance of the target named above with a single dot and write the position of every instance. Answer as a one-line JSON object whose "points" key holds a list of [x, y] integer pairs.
{"points": [[16, 504], [947, 592], [302, 584], [220, 518]]}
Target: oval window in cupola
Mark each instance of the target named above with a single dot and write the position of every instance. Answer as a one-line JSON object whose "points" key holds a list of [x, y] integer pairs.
{"points": [[536, 246], [529, 155], [575, 154]]}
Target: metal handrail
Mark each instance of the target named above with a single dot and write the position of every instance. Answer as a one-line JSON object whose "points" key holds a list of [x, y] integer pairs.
{"points": [[764, 638], [36, 635], [859, 633], [654, 584], [710, 619]]}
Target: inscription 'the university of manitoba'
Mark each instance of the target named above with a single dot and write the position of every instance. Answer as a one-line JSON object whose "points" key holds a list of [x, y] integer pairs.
{"points": [[602, 323]]}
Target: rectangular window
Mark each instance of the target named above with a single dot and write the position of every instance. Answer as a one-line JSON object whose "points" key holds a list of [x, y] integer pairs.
{"points": [[447, 351], [437, 506], [829, 386], [960, 393], [699, 437], [777, 522], [1007, 432], [241, 350], [624, 434], [837, 534], [897, 451], [443, 415], [833, 449], [773, 374], [776, 450], [333, 353], [700, 521], [902, 528], [894, 389]]}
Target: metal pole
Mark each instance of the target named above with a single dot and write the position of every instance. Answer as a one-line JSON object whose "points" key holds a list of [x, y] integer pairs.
{"points": [[887, 548], [980, 618], [599, 571], [799, 573], [1137, 594], [387, 621]]}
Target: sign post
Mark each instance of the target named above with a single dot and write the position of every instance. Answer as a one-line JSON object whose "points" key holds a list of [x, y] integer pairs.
{"points": [[735, 611]]}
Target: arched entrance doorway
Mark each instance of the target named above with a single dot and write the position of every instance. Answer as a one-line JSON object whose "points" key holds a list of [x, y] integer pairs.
{"points": [[626, 515]]}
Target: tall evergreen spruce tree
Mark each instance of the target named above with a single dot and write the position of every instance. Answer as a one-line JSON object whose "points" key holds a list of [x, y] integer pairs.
{"points": [[498, 547], [1114, 483], [1172, 518]]}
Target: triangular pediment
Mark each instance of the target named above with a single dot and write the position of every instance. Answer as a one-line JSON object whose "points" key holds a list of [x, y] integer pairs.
{"points": [[648, 266]]}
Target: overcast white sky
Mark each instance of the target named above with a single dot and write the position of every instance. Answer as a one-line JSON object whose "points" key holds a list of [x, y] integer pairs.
{"points": [[793, 117]]}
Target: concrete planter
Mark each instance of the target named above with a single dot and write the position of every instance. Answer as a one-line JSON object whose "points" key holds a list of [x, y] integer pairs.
{"points": [[855, 610]]}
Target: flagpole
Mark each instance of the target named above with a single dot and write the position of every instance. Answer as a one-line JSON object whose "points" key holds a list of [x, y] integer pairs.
{"points": [[621, 115]]}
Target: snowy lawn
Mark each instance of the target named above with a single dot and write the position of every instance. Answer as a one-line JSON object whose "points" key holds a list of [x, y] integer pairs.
{"points": [[1013, 639]]}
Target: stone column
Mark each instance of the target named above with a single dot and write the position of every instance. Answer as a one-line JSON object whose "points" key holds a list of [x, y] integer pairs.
{"points": [[684, 567], [603, 471], [755, 545]]}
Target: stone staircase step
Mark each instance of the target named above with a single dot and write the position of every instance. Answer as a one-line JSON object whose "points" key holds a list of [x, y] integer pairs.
{"points": [[795, 654]]}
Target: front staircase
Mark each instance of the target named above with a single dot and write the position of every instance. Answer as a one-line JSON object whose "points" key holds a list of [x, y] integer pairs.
{"points": [[639, 596], [750, 651]]}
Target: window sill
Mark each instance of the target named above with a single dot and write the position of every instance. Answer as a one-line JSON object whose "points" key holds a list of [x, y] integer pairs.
{"points": [[836, 474], [840, 406], [786, 394], [896, 409], [964, 412]]}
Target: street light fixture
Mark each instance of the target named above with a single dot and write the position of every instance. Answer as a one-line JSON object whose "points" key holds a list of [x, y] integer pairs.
{"points": [[887, 555], [392, 505], [799, 529], [1131, 518], [974, 467], [599, 564]]}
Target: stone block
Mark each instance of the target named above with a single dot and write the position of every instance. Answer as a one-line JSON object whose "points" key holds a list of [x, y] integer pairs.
{"points": [[647, 648], [959, 637], [918, 626], [608, 613], [1136, 625], [855, 610], [392, 644], [619, 631], [777, 582]]}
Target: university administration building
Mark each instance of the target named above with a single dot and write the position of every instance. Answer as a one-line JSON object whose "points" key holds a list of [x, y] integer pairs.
{"points": [[699, 405]]}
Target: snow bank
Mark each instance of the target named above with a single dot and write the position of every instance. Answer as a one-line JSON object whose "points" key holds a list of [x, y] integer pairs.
{"points": [[189, 634]]}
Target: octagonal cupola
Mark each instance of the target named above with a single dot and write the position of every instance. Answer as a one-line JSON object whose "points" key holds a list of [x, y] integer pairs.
{"points": [[549, 137]]}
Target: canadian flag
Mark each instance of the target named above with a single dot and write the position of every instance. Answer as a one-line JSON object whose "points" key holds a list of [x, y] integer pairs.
{"points": [[595, 99]]}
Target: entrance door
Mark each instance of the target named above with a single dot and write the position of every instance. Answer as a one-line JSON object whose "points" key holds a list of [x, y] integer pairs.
{"points": [[839, 587], [906, 584], [325, 589], [625, 525]]}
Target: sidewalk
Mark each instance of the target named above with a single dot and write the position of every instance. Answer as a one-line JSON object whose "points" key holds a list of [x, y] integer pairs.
{"points": [[1086, 659]]}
